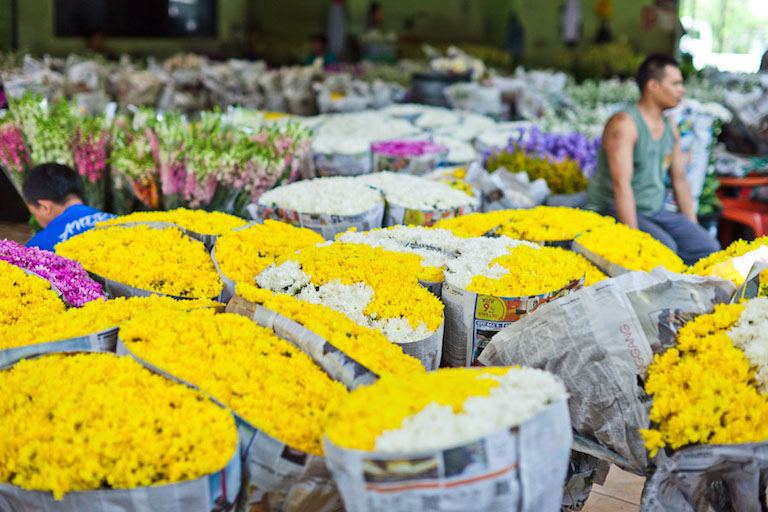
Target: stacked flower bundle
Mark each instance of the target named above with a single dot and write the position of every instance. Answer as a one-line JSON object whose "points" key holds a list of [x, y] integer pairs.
{"points": [[98, 421], [710, 388], [198, 221], [407, 156], [627, 248], [262, 378], [242, 254], [14, 158], [440, 409], [375, 288], [66, 275], [559, 146], [562, 177], [157, 260]]}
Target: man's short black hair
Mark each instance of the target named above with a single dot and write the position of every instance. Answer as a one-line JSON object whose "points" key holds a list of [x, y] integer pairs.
{"points": [[653, 68], [52, 182]]}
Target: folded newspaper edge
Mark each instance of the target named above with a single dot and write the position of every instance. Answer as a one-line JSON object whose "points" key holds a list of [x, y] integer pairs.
{"points": [[395, 215], [612, 269], [326, 224], [101, 341]]}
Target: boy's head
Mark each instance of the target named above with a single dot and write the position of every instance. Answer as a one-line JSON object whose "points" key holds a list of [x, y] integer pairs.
{"points": [[50, 189]]}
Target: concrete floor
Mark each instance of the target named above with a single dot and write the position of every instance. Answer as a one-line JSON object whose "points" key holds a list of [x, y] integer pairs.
{"points": [[621, 493]]}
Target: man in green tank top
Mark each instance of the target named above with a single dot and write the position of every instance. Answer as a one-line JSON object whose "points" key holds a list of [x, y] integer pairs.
{"points": [[640, 146]]}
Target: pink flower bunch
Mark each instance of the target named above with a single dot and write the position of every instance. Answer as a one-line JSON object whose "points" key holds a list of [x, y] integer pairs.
{"points": [[66, 275], [407, 147], [90, 154], [13, 152]]}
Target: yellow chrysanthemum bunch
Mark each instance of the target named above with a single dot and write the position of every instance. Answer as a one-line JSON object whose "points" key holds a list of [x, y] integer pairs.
{"points": [[530, 271], [90, 421], [93, 317], [243, 254], [703, 390], [199, 221], [158, 260], [704, 266], [261, 377], [366, 346], [25, 296], [368, 411], [550, 223], [630, 248], [592, 274], [393, 276], [474, 224]]}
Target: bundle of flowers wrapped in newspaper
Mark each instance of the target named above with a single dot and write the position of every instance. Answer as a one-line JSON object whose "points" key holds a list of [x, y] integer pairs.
{"points": [[734, 262], [452, 430], [197, 221], [104, 424], [326, 205], [140, 260]]}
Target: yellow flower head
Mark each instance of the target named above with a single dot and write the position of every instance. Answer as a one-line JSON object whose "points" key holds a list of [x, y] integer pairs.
{"points": [[704, 266], [530, 271], [89, 421], [475, 224], [199, 221], [25, 296], [630, 248], [158, 260], [263, 378], [243, 254]]}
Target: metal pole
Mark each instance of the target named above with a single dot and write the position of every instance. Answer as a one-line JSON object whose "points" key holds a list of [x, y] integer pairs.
{"points": [[14, 25]]}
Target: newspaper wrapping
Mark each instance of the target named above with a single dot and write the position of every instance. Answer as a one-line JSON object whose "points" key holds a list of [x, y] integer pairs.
{"points": [[612, 269], [214, 492], [326, 224], [516, 469], [395, 215], [229, 284], [472, 319], [417, 165], [436, 287], [720, 478], [208, 240], [340, 164], [101, 341], [756, 282], [600, 341], [738, 269], [274, 474]]}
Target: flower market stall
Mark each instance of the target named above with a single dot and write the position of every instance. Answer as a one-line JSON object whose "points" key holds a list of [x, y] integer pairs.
{"points": [[385, 306]]}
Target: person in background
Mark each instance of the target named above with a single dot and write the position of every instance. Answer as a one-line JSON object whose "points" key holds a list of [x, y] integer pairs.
{"points": [[764, 63], [640, 146], [54, 196], [318, 49], [336, 29]]}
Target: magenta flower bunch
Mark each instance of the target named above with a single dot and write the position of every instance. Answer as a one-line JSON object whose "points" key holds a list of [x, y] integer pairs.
{"points": [[13, 153], [66, 275], [407, 148]]}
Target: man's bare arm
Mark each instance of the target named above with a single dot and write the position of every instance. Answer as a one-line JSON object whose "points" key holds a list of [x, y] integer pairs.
{"points": [[619, 139], [680, 184]]}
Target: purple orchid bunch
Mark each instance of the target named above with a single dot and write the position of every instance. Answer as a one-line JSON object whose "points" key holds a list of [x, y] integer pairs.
{"points": [[576, 146], [66, 275], [407, 148]]}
